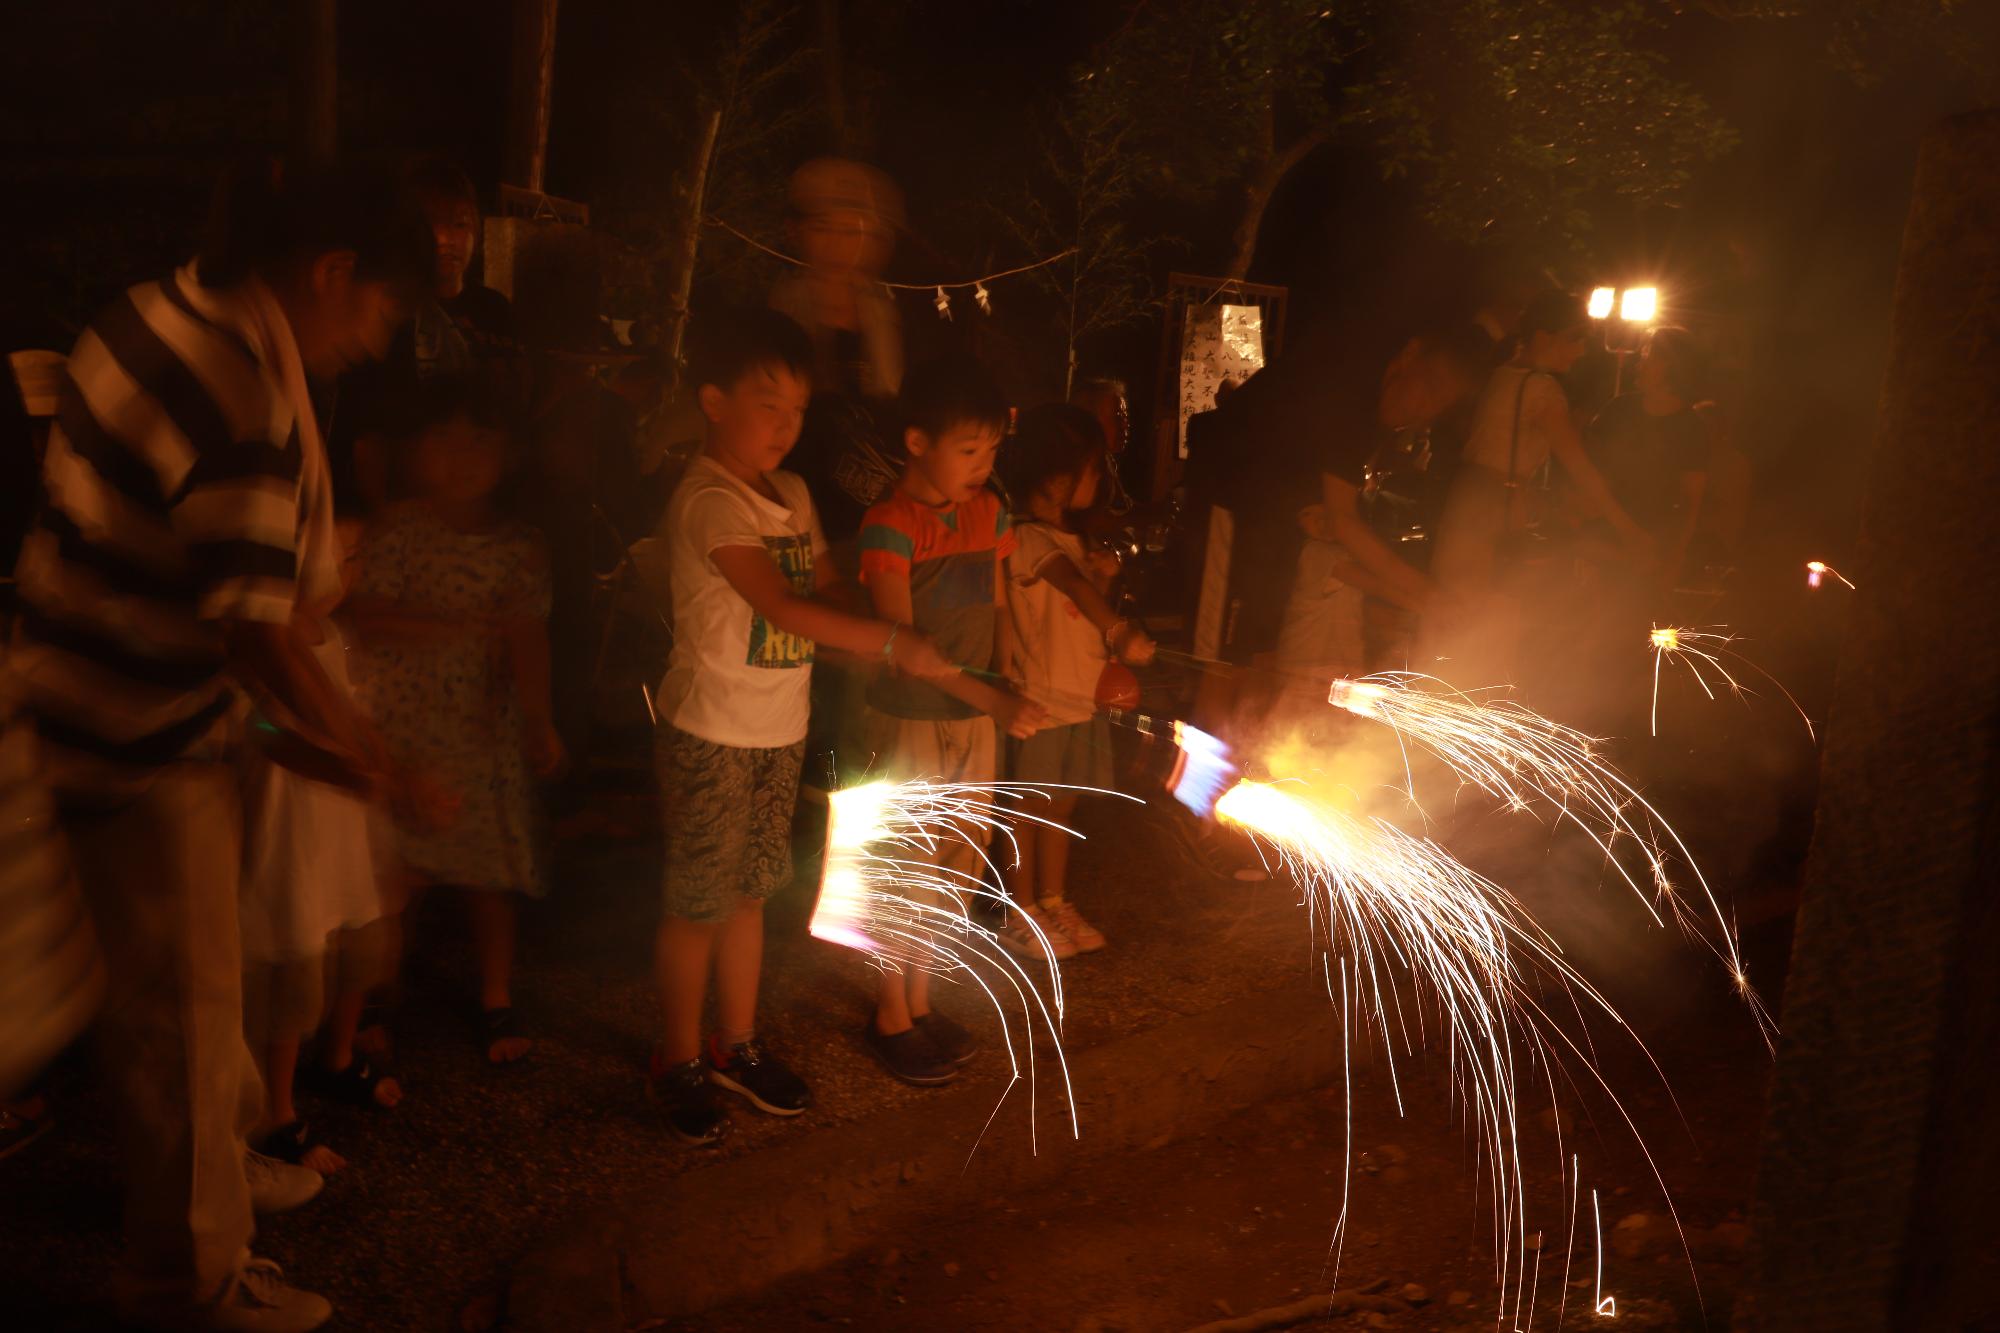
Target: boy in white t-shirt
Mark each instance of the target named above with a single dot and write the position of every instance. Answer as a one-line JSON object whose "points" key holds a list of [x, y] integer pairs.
{"points": [[743, 549], [1064, 633]]}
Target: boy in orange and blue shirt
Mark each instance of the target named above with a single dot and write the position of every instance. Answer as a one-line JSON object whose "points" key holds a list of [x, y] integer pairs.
{"points": [[932, 555]]}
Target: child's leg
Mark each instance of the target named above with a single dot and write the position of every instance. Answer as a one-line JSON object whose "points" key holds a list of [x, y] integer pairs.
{"points": [[739, 957], [681, 955], [364, 960], [279, 1062], [1051, 849], [493, 934]]}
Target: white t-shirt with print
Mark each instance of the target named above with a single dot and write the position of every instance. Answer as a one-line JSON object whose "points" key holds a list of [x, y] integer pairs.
{"points": [[734, 678], [1061, 653]]}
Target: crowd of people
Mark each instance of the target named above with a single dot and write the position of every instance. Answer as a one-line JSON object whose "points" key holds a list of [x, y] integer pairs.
{"points": [[281, 658]]}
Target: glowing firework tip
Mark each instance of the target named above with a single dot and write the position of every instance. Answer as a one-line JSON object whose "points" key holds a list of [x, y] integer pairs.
{"points": [[1817, 572], [1667, 639], [1702, 653]]}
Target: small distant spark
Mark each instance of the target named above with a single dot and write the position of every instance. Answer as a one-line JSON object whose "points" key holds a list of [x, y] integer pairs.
{"points": [[1817, 570]]}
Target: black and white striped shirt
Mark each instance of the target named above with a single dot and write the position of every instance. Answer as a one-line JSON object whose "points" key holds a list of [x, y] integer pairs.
{"points": [[172, 479]]}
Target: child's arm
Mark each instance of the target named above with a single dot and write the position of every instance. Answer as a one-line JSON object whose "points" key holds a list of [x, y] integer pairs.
{"points": [[1121, 636], [757, 580], [1005, 658], [890, 592]]}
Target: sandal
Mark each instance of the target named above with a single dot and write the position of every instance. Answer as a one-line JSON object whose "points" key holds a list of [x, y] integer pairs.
{"points": [[352, 1086], [498, 1025], [288, 1142]]}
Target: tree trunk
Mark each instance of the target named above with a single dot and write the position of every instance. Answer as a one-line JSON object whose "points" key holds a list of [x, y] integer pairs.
{"points": [[830, 71], [1880, 1166], [529, 97], [316, 89], [1257, 197], [680, 259]]}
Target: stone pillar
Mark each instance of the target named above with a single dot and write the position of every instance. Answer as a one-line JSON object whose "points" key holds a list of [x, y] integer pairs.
{"points": [[1881, 1158]]}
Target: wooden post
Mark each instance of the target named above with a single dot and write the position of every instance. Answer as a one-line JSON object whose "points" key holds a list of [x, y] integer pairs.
{"points": [[1880, 1163], [316, 81], [687, 243], [530, 94]]}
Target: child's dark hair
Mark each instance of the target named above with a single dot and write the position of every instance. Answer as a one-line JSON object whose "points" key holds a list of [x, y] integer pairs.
{"points": [[438, 177], [944, 394], [269, 216], [1050, 441], [461, 395], [732, 345]]}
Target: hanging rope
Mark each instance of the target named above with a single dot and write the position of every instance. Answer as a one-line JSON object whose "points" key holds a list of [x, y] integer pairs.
{"points": [[899, 286]]}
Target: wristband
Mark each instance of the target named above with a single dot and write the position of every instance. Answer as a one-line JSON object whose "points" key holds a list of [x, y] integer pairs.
{"points": [[889, 644], [1118, 627]]}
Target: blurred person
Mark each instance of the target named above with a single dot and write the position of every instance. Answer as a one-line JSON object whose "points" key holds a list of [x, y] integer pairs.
{"points": [[747, 561], [1521, 427], [843, 217], [1652, 447], [933, 556], [309, 903], [464, 327], [450, 614], [1063, 634], [160, 578]]}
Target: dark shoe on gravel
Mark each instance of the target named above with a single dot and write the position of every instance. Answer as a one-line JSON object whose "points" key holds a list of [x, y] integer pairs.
{"points": [[352, 1086], [911, 1056], [687, 1099], [748, 1070], [953, 1042]]}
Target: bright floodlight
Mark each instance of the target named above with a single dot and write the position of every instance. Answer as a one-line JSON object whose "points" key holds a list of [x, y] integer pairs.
{"points": [[1639, 305], [1600, 302]]}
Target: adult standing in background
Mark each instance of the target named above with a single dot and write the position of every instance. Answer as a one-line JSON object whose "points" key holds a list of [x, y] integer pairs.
{"points": [[160, 581]]}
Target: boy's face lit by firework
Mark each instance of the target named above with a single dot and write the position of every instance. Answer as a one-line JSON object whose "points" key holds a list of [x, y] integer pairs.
{"points": [[956, 463], [755, 421]]}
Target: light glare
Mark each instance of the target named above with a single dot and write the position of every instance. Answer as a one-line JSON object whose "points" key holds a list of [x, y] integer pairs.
{"points": [[1601, 299], [1639, 305]]}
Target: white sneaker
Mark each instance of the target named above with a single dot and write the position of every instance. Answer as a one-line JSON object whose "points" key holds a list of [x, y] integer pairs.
{"points": [[1043, 940], [261, 1301], [278, 1187], [1086, 937]]}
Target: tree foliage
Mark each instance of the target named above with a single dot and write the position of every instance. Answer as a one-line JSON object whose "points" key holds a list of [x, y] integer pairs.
{"points": [[1518, 117]]}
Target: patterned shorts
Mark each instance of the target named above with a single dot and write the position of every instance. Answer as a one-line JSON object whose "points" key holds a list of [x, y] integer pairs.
{"points": [[727, 813]]}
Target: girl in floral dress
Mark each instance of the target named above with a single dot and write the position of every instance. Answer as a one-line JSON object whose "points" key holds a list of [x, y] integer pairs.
{"points": [[452, 609]]}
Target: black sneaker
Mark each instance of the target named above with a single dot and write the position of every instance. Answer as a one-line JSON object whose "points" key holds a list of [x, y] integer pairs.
{"points": [[748, 1070], [953, 1042], [693, 1112], [910, 1056]]}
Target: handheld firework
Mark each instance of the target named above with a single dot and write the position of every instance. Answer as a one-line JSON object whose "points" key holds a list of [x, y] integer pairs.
{"points": [[1702, 651], [885, 892], [1817, 572]]}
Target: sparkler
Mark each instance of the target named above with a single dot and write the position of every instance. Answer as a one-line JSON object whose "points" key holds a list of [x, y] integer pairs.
{"points": [[1817, 570], [884, 893], [1695, 649], [1381, 898], [1526, 761]]}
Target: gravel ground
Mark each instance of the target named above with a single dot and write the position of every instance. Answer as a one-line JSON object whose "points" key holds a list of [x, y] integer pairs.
{"points": [[441, 1192]]}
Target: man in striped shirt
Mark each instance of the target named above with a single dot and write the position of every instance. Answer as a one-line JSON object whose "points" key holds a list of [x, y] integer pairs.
{"points": [[157, 589]]}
